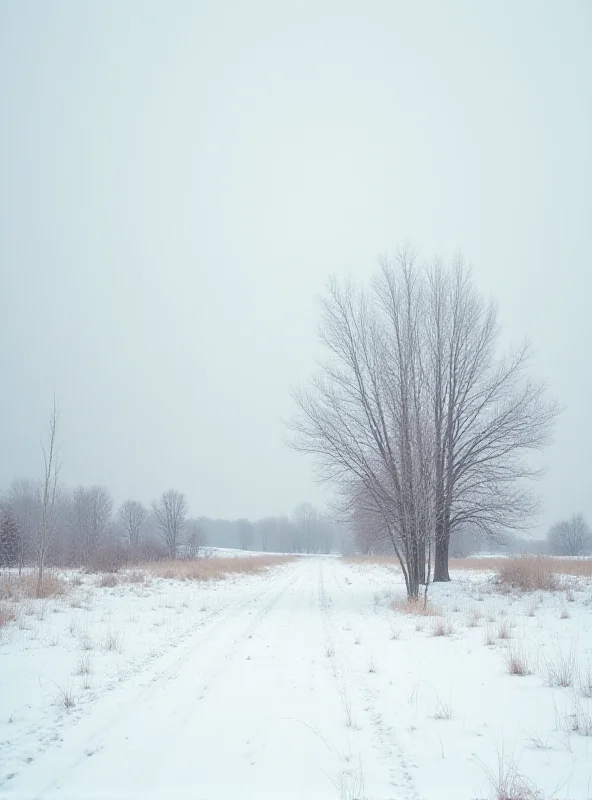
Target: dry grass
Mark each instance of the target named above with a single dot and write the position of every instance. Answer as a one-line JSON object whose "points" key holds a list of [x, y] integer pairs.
{"points": [[579, 719], [108, 581], [113, 641], [557, 566], [509, 783], [133, 577], [516, 661], [489, 637], [528, 574], [504, 630], [16, 588], [7, 614], [214, 569], [84, 664], [561, 670], [474, 618], [586, 681], [416, 607], [441, 627]]}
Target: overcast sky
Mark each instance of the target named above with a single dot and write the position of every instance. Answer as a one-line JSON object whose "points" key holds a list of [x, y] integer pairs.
{"points": [[178, 180]]}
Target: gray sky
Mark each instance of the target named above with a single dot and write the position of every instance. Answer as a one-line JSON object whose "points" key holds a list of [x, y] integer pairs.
{"points": [[178, 179]]}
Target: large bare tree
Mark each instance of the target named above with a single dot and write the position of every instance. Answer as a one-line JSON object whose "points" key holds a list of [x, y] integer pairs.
{"points": [[131, 516], [170, 513], [571, 537], [415, 419]]}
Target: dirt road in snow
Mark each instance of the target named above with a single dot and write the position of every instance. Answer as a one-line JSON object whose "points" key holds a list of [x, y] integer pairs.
{"points": [[259, 704]]}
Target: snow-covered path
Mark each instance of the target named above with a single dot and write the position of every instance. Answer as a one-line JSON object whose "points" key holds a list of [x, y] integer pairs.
{"points": [[259, 704]]}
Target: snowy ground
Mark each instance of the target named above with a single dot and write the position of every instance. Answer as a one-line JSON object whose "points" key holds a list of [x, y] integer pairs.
{"points": [[298, 683]]}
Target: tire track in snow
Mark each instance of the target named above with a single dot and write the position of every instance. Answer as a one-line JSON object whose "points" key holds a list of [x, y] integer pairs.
{"points": [[383, 739]]}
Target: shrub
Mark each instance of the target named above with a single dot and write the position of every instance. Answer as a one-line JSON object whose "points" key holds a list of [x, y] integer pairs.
{"points": [[7, 614], [108, 558], [108, 581], [17, 587], [415, 607]]}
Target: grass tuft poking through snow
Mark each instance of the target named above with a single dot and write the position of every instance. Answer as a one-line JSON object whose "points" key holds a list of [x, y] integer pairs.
{"points": [[586, 681], [113, 641], [516, 660], [395, 632], [83, 665], [561, 670], [504, 630], [442, 627], [509, 783]]}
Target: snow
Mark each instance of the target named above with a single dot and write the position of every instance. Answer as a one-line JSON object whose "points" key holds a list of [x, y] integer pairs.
{"points": [[290, 684]]}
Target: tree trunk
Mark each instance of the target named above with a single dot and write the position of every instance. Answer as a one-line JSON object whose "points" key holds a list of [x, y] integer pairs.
{"points": [[441, 558], [40, 576]]}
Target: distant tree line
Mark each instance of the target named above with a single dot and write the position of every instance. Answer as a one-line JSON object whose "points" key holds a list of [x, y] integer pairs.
{"points": [[43, 522], [89, 531]]}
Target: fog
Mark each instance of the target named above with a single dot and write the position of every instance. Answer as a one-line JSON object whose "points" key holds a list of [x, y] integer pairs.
{"points": [[178, 180]]}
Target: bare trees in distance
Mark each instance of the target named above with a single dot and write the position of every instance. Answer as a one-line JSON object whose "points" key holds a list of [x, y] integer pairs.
{"points": [[415, 418], [131, 516], [570, 537], [170, 512]]}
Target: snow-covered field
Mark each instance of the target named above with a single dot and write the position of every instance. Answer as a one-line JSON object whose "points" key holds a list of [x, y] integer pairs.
{"points": [[300, 682]]}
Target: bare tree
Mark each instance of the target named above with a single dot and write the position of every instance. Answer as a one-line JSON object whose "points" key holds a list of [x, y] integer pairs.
{"points": [[306, 519], [278, 534], [132, 515], [195, 538], [571, 537], [266, 530], [170, 512], [415, 420], [489, 415], [246, 533], [91, 514], [49, 492]]}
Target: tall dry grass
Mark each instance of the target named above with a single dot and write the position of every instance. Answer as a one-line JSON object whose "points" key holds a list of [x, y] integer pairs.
{"points": [[213, 569], [16, 587], [546, 564]]}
